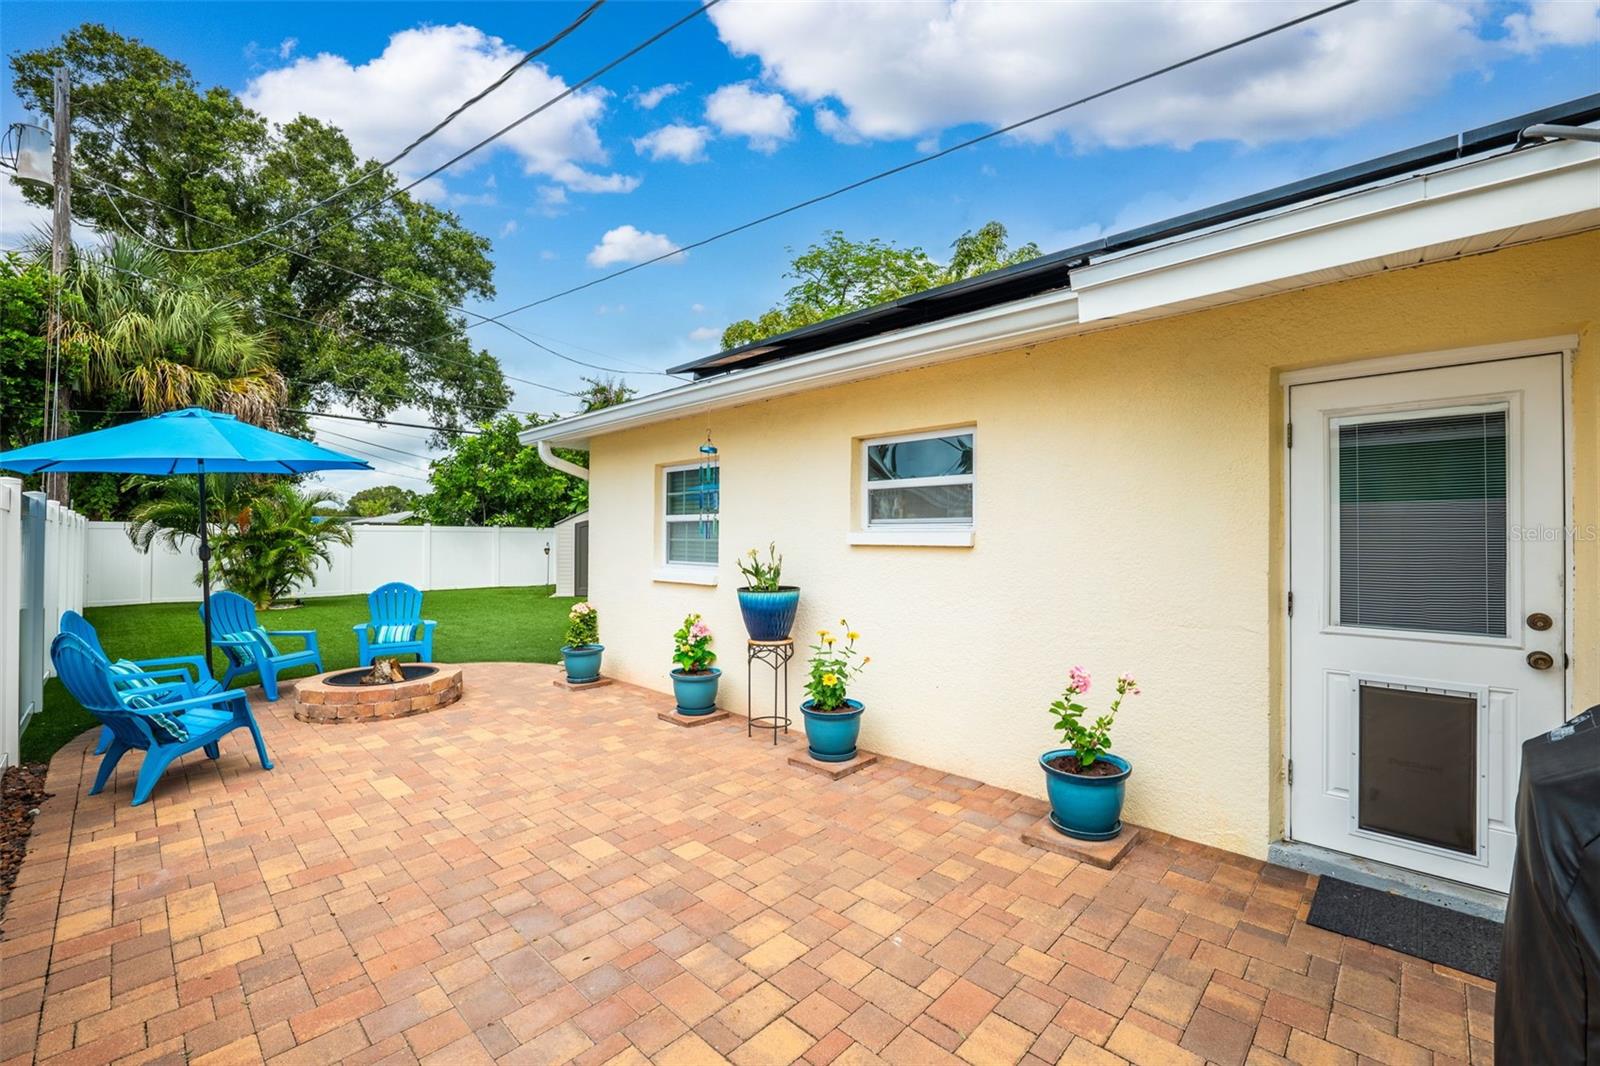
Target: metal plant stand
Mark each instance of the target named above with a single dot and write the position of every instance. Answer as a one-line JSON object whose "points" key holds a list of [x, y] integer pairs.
{"points": [[775, 654]]}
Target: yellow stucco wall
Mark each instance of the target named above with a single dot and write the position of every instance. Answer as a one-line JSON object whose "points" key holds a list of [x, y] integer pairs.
{"points": [[1129, 517]]}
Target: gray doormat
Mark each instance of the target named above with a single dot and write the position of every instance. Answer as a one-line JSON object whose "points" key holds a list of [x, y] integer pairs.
{"points": [[1450, 938]]}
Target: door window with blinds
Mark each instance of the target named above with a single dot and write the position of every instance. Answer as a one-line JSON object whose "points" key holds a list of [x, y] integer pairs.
{"points": [[1421, 522], [691, 503], [918, 479]]}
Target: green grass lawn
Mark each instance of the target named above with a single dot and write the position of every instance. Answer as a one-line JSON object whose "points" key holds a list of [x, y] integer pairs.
{"points": [[475, 625]]}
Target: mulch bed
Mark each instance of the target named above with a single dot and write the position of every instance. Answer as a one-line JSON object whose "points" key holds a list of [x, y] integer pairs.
{"points": [[21, 793]]}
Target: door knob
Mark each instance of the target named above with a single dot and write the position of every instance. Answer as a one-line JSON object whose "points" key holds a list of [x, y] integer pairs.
{"points": [[1540, 621], [1540, 660]]}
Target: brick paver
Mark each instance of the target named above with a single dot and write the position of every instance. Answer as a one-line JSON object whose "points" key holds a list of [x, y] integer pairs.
{"points": [[538, 875]]}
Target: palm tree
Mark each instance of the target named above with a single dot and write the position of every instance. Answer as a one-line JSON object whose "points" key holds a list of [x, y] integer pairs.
{"points": [[136, 327], [169, 509], [278, 542], [267, 536]]}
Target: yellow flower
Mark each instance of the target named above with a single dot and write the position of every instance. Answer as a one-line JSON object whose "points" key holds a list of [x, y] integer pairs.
{"points": [[830, 679], [866, 659], [853, 635]]}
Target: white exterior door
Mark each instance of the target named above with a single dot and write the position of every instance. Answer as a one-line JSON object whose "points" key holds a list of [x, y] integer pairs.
{"points": [[1427, 565]]}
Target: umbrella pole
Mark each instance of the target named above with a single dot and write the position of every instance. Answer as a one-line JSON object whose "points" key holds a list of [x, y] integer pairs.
{"points": [[205, 564]]}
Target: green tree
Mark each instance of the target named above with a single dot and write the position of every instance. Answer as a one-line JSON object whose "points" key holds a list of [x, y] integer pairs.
{"points": [[382, 499], [493, 479], [839, 275], [202, 169], [24, 303], [604, 392]]}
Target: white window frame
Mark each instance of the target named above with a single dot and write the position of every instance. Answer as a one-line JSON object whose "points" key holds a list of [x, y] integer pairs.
{"points": [[953, 534], [692, 573]]}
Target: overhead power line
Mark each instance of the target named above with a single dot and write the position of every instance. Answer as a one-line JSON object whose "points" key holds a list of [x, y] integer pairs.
{"points": [[393, 286], [922, 160], [379, 168], [570, 90], [374, 444], [382, 421]]}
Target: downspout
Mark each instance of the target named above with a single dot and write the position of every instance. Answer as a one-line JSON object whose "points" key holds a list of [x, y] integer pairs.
{"points": [[555, 462]]}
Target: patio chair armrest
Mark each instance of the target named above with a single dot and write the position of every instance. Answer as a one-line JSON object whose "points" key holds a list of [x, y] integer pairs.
{"points": [[176, 660], [210, 699], [291, 632], [167, 672], [428, 623], [363, 628], [159, 689]]}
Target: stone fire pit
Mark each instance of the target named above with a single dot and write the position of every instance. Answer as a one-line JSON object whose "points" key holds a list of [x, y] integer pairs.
{"points": [[340, 697]]}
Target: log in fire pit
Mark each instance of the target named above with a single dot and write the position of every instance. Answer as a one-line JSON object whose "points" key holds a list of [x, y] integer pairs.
{"points": [[358, 696]]}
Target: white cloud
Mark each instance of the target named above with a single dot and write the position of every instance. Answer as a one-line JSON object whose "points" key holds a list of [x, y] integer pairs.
{"points": [[628, 244], [1553, 22], [893, 70], [649, 98], [508, 228], [698, 309], [704, 333], [742, 110], [686, 144], [287, 46], [548, 255], [20, 220], [420, 76]]}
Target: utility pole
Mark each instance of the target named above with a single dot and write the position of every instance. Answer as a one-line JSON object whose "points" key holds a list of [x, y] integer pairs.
{"points": [[58, 391]]}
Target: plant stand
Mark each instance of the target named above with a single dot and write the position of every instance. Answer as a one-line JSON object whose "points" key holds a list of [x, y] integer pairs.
{"points": [[776, 655]]}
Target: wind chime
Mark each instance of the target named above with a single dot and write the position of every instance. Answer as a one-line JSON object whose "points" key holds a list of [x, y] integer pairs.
{"points": [[710, 485]]}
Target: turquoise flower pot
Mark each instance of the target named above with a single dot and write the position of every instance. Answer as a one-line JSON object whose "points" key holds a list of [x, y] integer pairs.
{"points": [[769, 615], [696, 693], [831, 735], [583, 663], [1089, 808]]}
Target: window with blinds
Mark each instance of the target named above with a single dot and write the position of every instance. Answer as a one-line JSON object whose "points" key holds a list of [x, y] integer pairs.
{"points": [[1422, 524]]}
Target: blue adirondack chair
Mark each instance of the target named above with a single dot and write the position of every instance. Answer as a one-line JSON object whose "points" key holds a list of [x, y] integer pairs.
{"points": [[130, 707], [171, 668], [249, 647], [397, 626]]}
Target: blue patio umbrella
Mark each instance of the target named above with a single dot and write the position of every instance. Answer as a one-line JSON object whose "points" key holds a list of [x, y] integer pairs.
{"points": [[191, 441]]}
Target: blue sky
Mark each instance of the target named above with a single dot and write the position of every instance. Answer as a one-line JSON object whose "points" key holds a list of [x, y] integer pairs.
{"points": [[769, 103]]}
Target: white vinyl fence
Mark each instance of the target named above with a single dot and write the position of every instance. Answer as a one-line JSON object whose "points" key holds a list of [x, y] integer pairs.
{"points": [[42, 551], [429, 557]]}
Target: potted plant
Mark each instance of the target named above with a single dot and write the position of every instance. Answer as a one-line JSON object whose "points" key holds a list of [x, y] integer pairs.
{"points": [[768, 606], [1084, 781], [581, 653], [833, 720], [694, 682]]}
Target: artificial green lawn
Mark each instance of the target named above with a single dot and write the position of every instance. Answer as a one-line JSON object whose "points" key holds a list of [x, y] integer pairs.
{"points": [[475, 625]]}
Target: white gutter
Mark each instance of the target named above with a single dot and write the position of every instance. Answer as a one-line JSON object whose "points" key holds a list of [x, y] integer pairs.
{"points": [[555, 462], [990, 329]]}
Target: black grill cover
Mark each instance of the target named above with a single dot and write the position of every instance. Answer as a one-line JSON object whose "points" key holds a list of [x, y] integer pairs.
{"points": [[1547, 1007]]}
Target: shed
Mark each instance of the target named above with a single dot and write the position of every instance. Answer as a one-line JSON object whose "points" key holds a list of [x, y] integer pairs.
{"points": [[572, 555]]}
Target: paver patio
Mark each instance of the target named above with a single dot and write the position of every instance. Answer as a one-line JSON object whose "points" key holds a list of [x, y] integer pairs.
{"points": [[537, 875]]}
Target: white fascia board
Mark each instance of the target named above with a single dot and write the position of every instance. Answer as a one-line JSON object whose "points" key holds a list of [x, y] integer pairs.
{"points": [[1555, 181], [990, 329]]}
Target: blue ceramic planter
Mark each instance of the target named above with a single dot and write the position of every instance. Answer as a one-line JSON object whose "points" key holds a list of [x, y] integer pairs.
{"points": [[1089, 808], [696, 693], [831, 735], [769, 615], [583, 663]]}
